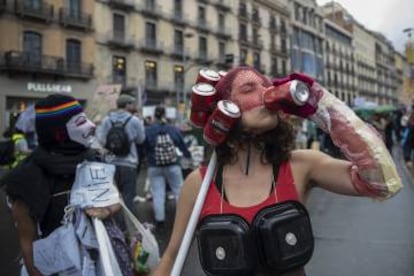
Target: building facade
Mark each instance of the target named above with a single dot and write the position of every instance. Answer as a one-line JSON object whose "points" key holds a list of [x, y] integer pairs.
{"points": [[339, 62], [307, 38], [50, 48]]}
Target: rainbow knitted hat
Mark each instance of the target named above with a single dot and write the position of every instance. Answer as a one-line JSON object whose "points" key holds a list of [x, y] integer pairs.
{"points": [[52, 114]]}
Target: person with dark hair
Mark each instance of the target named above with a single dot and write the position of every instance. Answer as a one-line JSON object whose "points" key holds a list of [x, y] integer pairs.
{"points": [[253, 221], [162, 162], [120, 133], [38, 189]]}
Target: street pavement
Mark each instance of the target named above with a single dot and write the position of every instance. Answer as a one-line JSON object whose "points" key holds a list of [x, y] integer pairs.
{"points": [[354, 236]]}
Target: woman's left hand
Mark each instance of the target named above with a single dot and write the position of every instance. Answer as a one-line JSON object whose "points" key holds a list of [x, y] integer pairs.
{"points": [[103, 212]]}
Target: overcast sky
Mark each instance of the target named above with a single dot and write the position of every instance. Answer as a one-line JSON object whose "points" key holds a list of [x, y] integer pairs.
{"points": [[389, 17]]}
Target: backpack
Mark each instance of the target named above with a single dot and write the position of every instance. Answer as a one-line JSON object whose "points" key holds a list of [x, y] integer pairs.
{"points": [[164, 151], [7, 156], [117, 140]]}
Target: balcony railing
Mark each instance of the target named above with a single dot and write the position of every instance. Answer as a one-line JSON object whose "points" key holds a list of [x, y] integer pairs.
{"points": [[152, 46], [153, 11], [126, 5], [243, 14], [223, 32], [42, 11], [73, 19], [26, 62], [223, 5], [202, 25], [179, 18], [120, 40]]}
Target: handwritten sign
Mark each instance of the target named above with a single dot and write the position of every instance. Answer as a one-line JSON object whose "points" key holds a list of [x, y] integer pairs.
{"points": [[103, 101], [94, 185]]}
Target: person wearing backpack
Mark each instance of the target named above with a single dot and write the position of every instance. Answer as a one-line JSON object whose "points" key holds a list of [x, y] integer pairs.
{"points": [[120, 132], [162, 162]]}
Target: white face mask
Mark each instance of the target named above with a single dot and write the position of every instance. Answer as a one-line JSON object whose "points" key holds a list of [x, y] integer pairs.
{"points": [[81, 129]]}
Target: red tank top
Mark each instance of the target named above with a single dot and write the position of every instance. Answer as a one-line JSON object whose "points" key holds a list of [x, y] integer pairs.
{"points": [[285, 190]]}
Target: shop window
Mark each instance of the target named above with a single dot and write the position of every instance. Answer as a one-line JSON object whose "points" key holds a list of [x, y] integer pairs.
{"points": [[150, 74], [119, 72]]}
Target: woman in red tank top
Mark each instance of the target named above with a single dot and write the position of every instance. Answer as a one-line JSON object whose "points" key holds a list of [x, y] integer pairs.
{"points": [[260, 142]]}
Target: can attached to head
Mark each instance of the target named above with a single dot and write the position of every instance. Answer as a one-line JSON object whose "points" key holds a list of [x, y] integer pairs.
{"points": [[291, 93], [203, 98], [206, 75], [223, 119]]}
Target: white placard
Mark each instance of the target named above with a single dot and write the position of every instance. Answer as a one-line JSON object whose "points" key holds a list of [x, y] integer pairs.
{"points": [[94, 185]]}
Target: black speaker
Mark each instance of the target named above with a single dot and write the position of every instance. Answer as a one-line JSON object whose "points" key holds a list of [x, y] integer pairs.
{"points": [[225, 246], [284, 236]]}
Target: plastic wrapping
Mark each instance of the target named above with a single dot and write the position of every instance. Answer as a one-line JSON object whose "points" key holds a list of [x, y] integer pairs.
{"points": [[373, 171]]}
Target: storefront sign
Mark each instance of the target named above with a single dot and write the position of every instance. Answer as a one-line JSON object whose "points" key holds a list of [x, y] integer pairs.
{"points": [[48, 87]]}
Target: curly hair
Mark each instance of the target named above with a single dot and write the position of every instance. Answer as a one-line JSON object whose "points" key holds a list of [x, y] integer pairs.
{"points": [[275, 145]]}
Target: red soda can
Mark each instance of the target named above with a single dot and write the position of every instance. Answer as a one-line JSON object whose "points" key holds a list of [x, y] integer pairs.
{"points": [[224, 117], [203, 98], [291, 93], [206, 75]]}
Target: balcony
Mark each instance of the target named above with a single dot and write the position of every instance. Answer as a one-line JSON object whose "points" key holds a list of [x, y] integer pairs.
{"points": [[151, 11], [178, 54], [152, 47], [223, 32], [202, 25], [180, 19], [41, 12], [28, 63], [244, 15], [222, 5], [120, 41], [76, 20], [256, 20], [125, 5]]}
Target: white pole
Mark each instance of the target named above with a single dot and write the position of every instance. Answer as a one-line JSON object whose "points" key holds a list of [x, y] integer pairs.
{"points": [[192, 223]]}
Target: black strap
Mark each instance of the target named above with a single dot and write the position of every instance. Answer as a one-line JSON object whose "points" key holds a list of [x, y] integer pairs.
{"points": [[124, 124], [219, 179]]}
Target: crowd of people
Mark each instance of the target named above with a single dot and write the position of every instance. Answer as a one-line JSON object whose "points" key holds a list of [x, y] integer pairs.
{"points": [[262, 165]]}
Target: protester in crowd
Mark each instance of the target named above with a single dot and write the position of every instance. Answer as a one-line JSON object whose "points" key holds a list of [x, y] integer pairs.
{"points": [[388, 132], [163, 167], [120, 132], [407, 140], [256, 169], [38, 189]]}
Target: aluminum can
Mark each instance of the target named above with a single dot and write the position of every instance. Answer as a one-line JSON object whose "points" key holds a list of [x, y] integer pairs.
{"points": [[291, 93], [206, 75], [203, 99], [219, 124]]}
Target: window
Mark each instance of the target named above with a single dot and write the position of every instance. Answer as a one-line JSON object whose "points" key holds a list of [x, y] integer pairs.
{"points": [[221, 21], [222, 51], [202, 48], [284, 68], [272, 23], [150, 4], [118, 27], [243, 56], [178, 42], [119, 70], [32, 47], [255, 14], [150, 35], [201, 14], [150, 74], [73, 55], [75, 8], [179, 78], [255, 32], [178, 8], [33, 4], [274, 70], [283, 45], [243, 32]]}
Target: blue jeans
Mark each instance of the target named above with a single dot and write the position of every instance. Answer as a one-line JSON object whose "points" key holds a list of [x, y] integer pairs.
{"points": [[126, 181], [159, 177]]}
